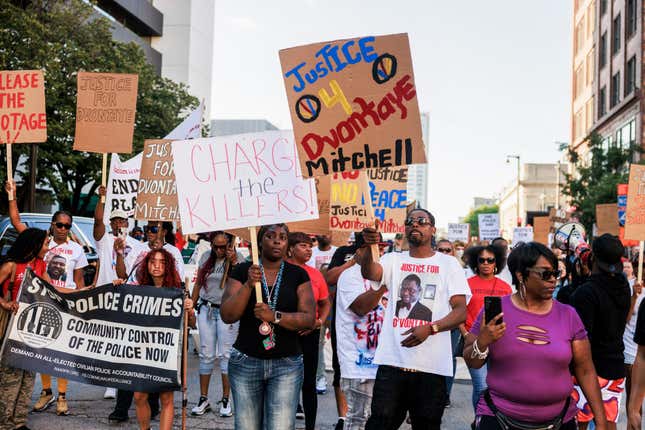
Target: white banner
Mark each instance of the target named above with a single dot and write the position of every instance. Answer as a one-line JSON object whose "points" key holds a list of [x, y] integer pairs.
{"points": [[190, 128], [241, 181], [522, 234], [488, 226], [122, 186], [459, 232]]}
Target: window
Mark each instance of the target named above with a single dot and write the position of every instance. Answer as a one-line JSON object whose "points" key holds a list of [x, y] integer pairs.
{"points": [[630, 76], [615, 90], [580, 80], [602, 51], [602, 103], [603, 7], [630, 19], [589, 68], [615, 43]]}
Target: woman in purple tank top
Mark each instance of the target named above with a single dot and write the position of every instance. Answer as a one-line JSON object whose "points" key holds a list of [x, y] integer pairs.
{"points": [[528, 349]]}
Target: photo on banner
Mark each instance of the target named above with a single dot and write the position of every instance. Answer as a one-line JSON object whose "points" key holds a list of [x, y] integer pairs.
{"points": [[22, 107], [105, 110], [243, 180], [353, 104], [126, 337], [350, 203], [157, 193], [389, 195]]}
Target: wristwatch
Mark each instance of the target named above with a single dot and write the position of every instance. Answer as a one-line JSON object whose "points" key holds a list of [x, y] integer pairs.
{"points": [[435, 328], [277, 316]]}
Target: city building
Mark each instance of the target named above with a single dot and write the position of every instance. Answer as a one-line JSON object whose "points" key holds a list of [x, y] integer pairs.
{"points": [[418, 187], [227, 127], [538, 188], [483, 201]]}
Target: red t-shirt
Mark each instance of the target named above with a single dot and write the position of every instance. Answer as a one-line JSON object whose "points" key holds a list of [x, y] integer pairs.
{"points": [[37, 265], [318, 284], [481, 288]]}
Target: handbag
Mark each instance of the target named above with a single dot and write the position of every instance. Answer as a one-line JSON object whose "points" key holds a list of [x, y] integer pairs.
{"points": [[508, 423], [5, 315]]}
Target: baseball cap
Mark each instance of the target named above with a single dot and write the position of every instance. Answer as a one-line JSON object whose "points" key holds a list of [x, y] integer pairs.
{"points": [[118, 213], [608, 253]]}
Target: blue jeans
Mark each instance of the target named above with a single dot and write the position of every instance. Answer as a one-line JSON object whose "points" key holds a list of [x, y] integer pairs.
{"points": [[265, 392], [216, 339], [478, 378], [455, 337]]}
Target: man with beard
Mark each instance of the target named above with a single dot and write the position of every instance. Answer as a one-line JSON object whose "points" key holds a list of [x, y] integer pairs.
{"points": [[322, 253], [415, 357], [56, 269]]}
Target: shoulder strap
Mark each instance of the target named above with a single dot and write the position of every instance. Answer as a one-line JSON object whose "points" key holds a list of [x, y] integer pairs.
{"points": [[12, 279]]}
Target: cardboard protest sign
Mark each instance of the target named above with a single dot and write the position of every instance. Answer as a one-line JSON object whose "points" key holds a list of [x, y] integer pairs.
{"points": [[22, 106], [488, 226], [607, 219], [541, 229], [522, 234], [459, 231], [157, 193], [105, 109], [353, 104], [350, 206], [319, 226], [127, 338], [242, 180], [122, 186], [635, 215], [389, 195]]}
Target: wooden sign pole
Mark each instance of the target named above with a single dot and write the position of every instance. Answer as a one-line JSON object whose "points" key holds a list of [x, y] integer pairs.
{"points": [[184, 364], [256, 260], [640, 262], [376, 253], [9, 170], [104, 174]]}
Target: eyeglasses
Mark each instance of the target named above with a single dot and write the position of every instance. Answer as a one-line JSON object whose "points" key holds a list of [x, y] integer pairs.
{"points": [[63, 225], [547, 274], [444, 250], [482, 260], [153, 229], [419, 220]]}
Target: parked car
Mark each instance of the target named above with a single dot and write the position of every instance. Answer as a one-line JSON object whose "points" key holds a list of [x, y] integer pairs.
{"points": [[81, 232]]}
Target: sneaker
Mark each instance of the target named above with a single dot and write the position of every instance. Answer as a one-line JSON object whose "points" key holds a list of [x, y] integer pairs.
{"points": [[117, 417], [448, 404], [110, 393], [45, 401], [321, 385], [300, 414], [61, 406], [202, 407], [225, 408], [340, 424]]}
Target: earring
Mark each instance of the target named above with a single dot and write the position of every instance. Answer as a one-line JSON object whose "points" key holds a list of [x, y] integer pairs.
{"points": [[495, 270]]}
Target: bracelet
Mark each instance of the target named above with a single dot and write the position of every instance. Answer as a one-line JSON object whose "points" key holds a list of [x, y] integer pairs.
{"points": [[477, 353]]}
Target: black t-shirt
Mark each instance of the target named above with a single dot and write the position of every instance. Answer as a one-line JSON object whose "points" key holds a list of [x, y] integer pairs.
{"points": [[639, 335], [249, 340], [342, 255]]}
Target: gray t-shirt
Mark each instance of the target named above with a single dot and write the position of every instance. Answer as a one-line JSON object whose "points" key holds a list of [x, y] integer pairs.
{"points": [[212, 291]]}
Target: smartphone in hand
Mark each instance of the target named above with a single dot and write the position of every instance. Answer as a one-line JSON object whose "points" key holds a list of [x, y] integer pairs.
{"points": [[492, 308]]}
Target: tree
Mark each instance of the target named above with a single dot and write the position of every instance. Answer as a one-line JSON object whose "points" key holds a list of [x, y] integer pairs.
{"points": [[596, 177], [63, 38], [473, 219]]}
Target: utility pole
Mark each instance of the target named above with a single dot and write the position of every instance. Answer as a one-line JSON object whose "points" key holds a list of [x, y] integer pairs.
{"points": [[518, 221], [557, 186]]}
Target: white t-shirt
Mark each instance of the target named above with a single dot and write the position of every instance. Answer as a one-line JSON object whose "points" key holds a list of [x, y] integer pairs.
{"points": [[357, 336], [630, 328], [135, 258], [430, 283], [62, 260], [107, 256], [318, 257]]}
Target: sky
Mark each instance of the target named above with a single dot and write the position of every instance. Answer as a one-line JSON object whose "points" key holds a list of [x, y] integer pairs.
{"points": [[495, 77]]}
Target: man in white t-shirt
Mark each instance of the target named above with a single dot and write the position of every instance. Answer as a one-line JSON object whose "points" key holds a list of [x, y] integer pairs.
{"points": [[415, 355], [321, 255], [359, 319]]}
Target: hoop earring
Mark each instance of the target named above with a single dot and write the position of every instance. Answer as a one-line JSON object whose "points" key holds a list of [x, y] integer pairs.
{"points": [[495, 270]]}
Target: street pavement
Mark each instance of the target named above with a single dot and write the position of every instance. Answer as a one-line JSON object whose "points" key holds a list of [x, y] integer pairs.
{"points": [[89, 411]]}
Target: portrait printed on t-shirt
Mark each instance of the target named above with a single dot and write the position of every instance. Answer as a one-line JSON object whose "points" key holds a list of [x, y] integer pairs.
{"points": [[416, 295], [57, 269]]}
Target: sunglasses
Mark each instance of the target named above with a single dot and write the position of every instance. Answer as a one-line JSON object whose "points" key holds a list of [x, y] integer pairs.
{"points": [[153, 229], [547, 274], [482, 260], [444, 250], [419, 220], [63, 225], [219, 246]]}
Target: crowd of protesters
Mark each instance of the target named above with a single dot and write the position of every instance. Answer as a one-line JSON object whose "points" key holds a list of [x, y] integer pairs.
{"points": [[551, 339]]}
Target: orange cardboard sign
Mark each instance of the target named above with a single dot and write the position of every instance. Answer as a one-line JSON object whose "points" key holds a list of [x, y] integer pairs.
{"points": [[157, 196], [353, 104], [541, 229], [22, 106], [350, 206], [105, 109], [607, 218], [635, 213]]}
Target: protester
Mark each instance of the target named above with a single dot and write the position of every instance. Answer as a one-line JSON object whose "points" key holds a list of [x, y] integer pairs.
{"points": [[138, 234], [299, 253], [635, 414], [415, 356], [398, 245], [528, 354], [603, 303], [503, 273], [631, 347], [65, 262], [359, 319], [157, 269], [215, 336], [459, 247], [266, 367], [485, 262], [445, 247], [580, 266], [16, 385]]}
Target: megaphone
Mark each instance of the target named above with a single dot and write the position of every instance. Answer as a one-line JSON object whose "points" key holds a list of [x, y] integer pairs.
{"points": [[568, 236]]}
